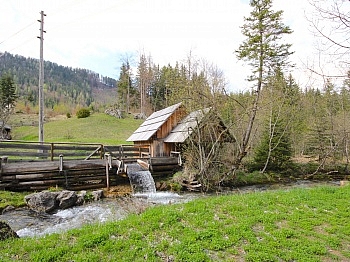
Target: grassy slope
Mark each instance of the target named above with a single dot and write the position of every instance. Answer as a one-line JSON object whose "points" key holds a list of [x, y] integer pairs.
{"points": [[295, 225], [98, 128]]}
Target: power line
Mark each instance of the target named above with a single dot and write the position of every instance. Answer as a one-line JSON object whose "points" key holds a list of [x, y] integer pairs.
{"points": [[24, 28]]}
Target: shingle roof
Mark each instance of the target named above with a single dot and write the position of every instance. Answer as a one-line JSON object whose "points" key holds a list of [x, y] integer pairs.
{"points": [[153, 123], [186, 126]]}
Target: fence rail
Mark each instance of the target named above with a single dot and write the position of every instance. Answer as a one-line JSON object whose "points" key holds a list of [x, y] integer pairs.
{"points": [[24, 151]]}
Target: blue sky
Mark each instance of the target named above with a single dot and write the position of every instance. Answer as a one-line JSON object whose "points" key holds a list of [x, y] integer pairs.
{"points": [[96, 35]]}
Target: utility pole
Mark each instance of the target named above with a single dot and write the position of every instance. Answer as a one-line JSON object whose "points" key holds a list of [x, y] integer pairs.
{"points": [[41, 79]]}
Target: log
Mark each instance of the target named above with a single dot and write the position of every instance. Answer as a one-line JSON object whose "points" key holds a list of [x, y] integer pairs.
{"points": [[191, 185], [29, 167], [83, 164], [163, 168], [162, 173], [32, 176], [87, 178], [143, 164], [5, 185], [88, 186], [161, 161], [31, 146], [43, 182]]}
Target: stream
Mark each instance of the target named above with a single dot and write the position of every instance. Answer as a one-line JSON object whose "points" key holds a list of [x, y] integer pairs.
{"points": [[28, 223]]}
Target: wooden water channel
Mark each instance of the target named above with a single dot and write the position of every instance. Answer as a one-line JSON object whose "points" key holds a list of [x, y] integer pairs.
{"points": [[73, 166]]}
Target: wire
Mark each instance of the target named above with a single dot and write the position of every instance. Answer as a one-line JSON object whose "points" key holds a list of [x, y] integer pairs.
{"points": [[24, 28], [57, 11], [23, 43]]}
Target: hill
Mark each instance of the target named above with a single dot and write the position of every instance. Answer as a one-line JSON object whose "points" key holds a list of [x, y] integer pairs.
{"points": [[65, 88]]}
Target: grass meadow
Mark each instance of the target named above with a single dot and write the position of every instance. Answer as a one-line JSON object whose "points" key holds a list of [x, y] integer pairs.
{"points": [[97, 128]]}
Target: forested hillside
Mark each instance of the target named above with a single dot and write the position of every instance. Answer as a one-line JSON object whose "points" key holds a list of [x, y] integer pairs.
{"points": [[65, 88]]}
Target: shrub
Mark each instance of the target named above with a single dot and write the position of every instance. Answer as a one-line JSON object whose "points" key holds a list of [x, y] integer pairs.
{"points": [[83, 113], [68, 115]]}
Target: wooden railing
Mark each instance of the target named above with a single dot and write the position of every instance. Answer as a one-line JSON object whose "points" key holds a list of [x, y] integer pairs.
{"points": [[19, 151]]}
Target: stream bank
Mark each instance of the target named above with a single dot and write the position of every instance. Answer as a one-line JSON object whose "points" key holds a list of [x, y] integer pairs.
{"points": [[28, 223]]}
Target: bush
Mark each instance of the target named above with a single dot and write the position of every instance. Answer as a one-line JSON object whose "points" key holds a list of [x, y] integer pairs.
{"points": [[68, 115], [83, 113]]}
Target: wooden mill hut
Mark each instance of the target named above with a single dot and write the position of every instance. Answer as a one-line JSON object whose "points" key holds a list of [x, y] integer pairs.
{"points": [[156, 128], [201, 125], [164, 131]]}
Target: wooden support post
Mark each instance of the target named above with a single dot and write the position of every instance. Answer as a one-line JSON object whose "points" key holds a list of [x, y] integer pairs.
{"points": [[61, 163], [108, 160], [102, 151], [3, 160], [52, 148]]}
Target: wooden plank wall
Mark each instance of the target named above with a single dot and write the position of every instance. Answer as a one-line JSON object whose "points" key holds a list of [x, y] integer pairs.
{"points": [[71, 174]]}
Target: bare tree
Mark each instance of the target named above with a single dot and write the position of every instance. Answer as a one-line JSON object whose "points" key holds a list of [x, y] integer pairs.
{"points": [[330, 21]]}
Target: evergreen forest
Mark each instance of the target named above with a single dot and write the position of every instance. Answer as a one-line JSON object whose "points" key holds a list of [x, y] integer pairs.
{"points": [[66, 89]]}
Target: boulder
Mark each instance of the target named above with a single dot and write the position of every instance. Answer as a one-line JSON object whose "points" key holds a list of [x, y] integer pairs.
{"points": [[6, 231], [42, 202], [66, 199], [81, 198], [98, 194], [114, 112]]}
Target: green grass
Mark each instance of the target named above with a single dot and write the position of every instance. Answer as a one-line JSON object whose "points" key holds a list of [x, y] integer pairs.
{"points": [[295, 225], [8, 198], [98, 128]]}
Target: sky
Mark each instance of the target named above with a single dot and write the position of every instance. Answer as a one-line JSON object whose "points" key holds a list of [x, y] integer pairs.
{"points": [[99, 35]]}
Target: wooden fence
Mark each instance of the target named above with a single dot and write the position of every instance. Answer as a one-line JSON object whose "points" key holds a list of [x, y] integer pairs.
{"points": [[35, 166], [18, 151]]}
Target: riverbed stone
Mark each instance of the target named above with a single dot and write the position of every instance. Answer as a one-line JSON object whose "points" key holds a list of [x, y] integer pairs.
{"points": [[81, 198], [6, 231], [66, 199], [8, 209], [42, 202], [97, 194]]}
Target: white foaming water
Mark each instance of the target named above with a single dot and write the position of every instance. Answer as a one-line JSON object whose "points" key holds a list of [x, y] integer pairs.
{"points": [[30, 224], [75, 217], [140, 180], [165, 197]]}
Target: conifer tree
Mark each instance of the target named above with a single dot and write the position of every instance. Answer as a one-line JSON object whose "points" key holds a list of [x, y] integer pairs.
{"points": [[8, 99], [124, 88], [264, 51]]}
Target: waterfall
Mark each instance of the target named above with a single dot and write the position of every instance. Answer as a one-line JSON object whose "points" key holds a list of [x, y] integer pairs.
{"points": [[141, 180]]}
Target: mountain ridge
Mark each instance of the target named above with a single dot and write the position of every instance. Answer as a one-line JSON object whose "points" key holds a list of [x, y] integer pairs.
{"points": [[65, 88]]}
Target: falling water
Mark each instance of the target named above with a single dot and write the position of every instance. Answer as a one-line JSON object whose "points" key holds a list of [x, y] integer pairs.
{"points": [[141, 180]]}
